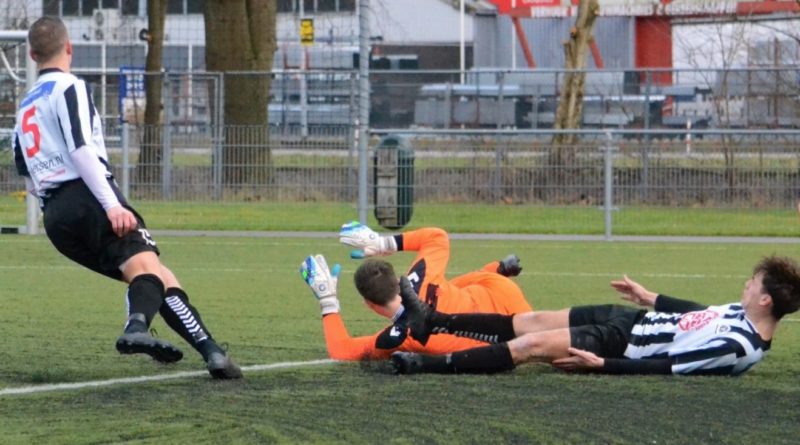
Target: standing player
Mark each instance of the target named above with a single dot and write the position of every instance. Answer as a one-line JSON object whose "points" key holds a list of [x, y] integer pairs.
{"points": [[59, 149], [486, 290], [674, 337]]}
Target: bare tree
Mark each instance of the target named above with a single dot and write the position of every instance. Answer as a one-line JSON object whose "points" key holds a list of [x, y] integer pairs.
{"points": [[570, 103], [14, 14], [240, 42], [722, 45]]}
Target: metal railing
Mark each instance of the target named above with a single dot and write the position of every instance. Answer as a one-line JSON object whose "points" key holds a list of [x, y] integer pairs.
{"points": [[654, 162]]}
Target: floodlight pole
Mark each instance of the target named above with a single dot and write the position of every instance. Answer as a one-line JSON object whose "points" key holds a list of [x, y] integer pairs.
{"points": [[363, 107], [31, 203], [461, 41]]}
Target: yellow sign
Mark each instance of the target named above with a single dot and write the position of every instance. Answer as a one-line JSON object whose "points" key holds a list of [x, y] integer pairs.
{"points": [[307, 31]]}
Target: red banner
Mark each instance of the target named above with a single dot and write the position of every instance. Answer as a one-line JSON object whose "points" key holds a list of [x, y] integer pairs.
{"points": [[504, 6]]}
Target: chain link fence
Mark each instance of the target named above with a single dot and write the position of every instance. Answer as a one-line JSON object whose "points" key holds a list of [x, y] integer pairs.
{"points": [[727, 144]]}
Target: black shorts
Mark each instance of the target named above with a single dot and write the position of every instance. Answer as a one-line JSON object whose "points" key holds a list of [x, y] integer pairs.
{"points": [[79, 228], [603, 329]]}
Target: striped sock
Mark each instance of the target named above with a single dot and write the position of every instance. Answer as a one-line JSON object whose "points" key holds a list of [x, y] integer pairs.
{"points": [[489, 328], [184, 319]]}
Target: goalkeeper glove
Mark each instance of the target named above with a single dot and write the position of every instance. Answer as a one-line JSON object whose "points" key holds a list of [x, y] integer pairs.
{"points": [[322, 282], [509, 266], [367, 242]]}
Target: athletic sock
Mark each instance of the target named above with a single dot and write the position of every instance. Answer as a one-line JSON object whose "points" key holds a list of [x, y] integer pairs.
{"points": [[184, 319], [483, 360], [489, 328], [440, 364], [145, 294], [136, 323]]}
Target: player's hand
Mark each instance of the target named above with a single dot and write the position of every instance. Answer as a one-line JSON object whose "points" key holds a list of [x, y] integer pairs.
{"points": [[634, 292], [122, 220], [366, 241], [509, 266], [579, 360], [322, 282]]}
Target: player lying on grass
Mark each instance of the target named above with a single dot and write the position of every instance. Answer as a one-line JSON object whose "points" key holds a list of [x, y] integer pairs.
{"points": [[487, 290], [677, 337]]}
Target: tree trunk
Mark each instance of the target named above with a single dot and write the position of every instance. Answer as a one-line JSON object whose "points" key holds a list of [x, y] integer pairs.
{"points": [[240, 42], [149, 164], [570, 103], [560, 173]]}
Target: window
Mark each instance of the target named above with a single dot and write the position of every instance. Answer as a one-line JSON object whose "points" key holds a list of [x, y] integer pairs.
{"points": [[130, 7], [286, 5], [70, 7], [312, 6], [88, 7], [186, 6], [175, 7], [326, 5], [347, 5], [195, 6], [50, 7]]}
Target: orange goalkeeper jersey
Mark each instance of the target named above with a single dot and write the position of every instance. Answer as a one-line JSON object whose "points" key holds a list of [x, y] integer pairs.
{"points": [[480, 291]]}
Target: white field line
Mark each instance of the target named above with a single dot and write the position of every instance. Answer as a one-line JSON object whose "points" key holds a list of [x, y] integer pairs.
{"points": [[150, 378], [558, 242]]}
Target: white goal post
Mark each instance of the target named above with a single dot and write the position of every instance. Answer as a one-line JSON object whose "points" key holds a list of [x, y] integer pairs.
{"points": [[32, 204]]}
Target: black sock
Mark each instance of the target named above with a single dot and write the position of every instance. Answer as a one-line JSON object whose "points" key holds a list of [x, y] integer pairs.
{"points": [[184, 319], [136, 323], [145, 294], [440, 364], [483, 360], [489, 328]]}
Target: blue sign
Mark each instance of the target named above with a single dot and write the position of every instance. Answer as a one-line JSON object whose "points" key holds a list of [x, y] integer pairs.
{"points": [[131, 86]]}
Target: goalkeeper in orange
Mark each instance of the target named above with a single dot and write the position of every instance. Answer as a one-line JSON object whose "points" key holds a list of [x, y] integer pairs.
{"points": [[487, 290]]}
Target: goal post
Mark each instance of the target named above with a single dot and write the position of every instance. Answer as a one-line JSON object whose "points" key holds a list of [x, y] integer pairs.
{"points": [[31, 203]]}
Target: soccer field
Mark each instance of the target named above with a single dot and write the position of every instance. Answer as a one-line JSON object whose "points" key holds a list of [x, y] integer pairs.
{"points": [[58, 324]]}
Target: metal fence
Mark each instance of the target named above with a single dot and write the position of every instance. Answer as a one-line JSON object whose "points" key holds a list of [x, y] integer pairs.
{"points": [[305, 101], [730, 143]]}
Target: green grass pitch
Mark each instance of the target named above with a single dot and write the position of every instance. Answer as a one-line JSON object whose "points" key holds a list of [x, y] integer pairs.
{"points": [[58, 324]]}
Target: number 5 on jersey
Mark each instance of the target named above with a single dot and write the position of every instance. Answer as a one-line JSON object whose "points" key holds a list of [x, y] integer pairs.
{"points": [[31, 128]]}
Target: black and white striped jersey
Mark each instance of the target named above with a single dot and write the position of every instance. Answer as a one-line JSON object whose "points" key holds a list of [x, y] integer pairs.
{"points": [[56, 117], [713, 340]]}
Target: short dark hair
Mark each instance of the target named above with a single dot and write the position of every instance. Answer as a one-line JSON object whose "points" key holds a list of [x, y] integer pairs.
{"points": [[781, 282], [47, 38], [376, 281]]}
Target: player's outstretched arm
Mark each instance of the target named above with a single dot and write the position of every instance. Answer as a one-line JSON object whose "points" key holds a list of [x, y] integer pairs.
{"points": [[634, 292], [586, 361], [366, 241], [579, 360], [322, 281]]}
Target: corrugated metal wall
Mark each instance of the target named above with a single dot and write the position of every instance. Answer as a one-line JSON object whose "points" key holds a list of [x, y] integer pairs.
{"points": [[615, 37]]}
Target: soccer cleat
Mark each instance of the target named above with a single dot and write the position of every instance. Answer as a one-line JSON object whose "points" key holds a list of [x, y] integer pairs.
{"points": [[416, 311], [220, 366], [509, 266], [407, 362], [144, 343]]}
